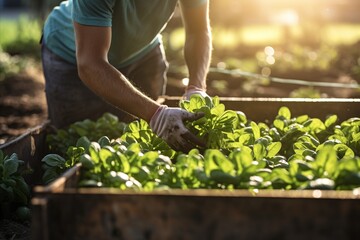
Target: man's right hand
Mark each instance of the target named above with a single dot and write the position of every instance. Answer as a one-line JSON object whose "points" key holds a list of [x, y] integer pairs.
{"points": [[168, 124]]}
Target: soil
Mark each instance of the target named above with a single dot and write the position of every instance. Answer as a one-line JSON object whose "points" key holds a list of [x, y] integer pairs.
{"points": [[13, 230], [22, 103], [22, 107]]}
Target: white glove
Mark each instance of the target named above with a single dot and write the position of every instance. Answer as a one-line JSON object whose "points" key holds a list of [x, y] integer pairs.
{"points": [[168, 124], [194, 90]]}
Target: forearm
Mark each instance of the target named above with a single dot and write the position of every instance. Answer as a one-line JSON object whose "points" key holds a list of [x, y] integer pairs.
{"points": [[197, 52], [112, 86]]}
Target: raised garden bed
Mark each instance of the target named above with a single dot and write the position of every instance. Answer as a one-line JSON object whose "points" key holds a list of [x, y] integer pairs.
{"points": [[63, 211]]}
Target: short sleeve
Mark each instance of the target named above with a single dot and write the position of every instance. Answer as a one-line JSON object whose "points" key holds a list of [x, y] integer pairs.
{"points": [[93, 12], [192, 3]]}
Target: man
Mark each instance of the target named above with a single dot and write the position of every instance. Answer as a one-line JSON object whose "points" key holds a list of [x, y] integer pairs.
{"points": [[106, 56]]}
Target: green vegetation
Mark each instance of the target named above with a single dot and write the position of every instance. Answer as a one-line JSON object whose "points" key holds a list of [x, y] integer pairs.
{"points": [[14, 191], [21, 36], [292, 152], [19, 45], [263, 35], [108, 125]]}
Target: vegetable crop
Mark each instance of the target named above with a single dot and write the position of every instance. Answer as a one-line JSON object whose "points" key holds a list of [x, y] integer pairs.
{"points": [[290, 152], [14, 191]]}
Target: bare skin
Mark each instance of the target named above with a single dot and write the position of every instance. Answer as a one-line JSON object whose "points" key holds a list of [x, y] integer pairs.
{"points": [[198, 45], [92, 46]]}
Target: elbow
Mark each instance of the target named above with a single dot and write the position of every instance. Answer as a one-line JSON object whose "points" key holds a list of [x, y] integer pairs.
{"points": [[88, 70], [83, 70]]}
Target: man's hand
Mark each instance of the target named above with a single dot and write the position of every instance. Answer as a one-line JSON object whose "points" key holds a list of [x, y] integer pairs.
{"points": [[168, 123], [191, 90]]}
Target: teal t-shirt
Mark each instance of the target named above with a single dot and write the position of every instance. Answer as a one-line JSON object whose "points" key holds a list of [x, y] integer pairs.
{"points": [[136, 25]]}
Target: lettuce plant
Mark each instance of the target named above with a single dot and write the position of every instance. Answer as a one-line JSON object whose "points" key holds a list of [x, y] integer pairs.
{"points": [[289, 152]]}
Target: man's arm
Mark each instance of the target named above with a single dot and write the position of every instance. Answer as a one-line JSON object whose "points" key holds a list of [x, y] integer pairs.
{"points": [[92, 46], [198, 43]]}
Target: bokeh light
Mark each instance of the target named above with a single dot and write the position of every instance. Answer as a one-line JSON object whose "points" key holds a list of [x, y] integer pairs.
{"points": [[185, 81]]}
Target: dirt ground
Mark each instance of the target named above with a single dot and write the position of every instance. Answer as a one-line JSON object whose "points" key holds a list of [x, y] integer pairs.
{"points": [[22, 103]]}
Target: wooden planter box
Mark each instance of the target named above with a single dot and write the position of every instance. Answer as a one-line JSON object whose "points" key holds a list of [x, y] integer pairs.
{"points": [[63, 211]]}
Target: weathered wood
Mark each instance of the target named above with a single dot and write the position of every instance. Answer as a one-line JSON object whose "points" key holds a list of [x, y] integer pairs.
{"points": [[202, 214], [30, 147]]}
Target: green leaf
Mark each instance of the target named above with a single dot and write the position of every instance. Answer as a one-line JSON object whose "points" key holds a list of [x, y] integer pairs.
{"points": [[10, 167], [218, 110], [279, 124], [214, 159], [105, 154], [86, 161], [94, 150], [304, 166], [54, 160], [326, 161], [301, 119], [255, 129], [223, 162], [285, 112], [279, 161], [74, 153], [111, 118], [331, 121], [315, 124], [50, 175], [223, 178], [273, 149], [343, 151], [241, 117], [125, 165], [242, 158], [259, 151], [196, 102], [245, 139], [80, 128], [280, 178], [22, 185], [142, 174], [349, 164], [83, 142], [348, 179]]}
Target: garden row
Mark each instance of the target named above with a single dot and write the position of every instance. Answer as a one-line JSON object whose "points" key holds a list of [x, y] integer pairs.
{"points": [[291, 152]]}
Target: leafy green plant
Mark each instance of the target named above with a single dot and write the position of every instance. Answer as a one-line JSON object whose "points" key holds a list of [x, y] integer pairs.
{"points": [[14, 191], [289, 153], [107, 125], [305, 92], [21, 36]]}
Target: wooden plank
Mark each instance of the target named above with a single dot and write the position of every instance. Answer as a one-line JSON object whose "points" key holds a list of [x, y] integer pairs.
{"points": [[206, 216], [30, 147]]}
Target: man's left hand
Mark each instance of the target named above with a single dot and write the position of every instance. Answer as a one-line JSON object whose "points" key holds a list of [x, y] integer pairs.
{"points": [[194, 90]]}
